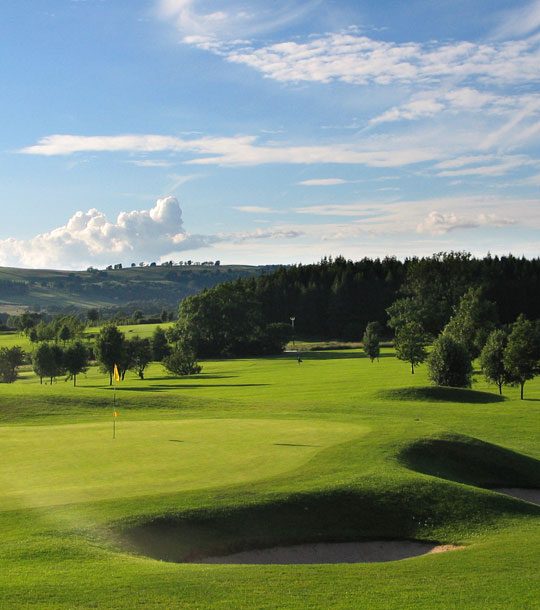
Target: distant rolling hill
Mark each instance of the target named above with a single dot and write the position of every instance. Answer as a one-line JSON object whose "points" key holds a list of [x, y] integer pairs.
{"points": [[146, 288]]}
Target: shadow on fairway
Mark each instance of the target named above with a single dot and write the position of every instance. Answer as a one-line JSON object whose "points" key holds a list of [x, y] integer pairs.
{"points": [[442, 394], [471, 461], [164, 387], [394, 513], [201, 377], [326, 355], [294, 445]]}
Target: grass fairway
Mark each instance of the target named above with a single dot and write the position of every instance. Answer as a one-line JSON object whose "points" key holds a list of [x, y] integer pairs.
{"points": [[262, 452]]}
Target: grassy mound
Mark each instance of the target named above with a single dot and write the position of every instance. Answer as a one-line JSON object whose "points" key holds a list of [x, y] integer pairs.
{"points": [[407, 511], [472, 461], [441, 394]]}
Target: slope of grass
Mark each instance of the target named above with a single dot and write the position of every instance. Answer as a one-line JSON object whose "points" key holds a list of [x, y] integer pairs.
{"points": [[272, 452], [57, 289]]}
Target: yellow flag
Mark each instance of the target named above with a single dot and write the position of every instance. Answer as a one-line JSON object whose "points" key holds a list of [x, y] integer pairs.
{"points": [[116, 413], [116, 374]]}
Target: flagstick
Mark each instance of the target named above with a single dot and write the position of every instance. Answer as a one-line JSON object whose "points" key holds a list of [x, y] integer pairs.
{"points": [[116, 380], [114, 413]]}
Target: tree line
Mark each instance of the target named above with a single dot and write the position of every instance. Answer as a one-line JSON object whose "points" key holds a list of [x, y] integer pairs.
{"points": [[509, 354], [52, 359], [337, 298]]}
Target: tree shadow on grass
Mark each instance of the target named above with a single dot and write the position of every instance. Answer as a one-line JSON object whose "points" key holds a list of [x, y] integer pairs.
{"points": [[294, 445], [201, 377], [442, 394], [164, 387], [324, 355]]}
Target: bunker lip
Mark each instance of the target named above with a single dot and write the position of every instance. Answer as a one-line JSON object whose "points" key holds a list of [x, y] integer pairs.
{"points": [[521, 493], [332, 553]]}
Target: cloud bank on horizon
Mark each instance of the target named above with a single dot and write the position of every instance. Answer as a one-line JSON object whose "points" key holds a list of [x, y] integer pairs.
{"points": [[419, 138]]}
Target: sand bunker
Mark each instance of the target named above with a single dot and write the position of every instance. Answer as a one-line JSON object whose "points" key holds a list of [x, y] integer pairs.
{"points": [[529, 495], [336, 552]]}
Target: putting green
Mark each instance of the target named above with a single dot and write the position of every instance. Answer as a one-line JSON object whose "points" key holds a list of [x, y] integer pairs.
{"points": [[54, 465]]}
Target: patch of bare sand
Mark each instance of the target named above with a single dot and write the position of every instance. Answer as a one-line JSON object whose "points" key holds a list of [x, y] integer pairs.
{"points": [[334, 552], [529, 495]]}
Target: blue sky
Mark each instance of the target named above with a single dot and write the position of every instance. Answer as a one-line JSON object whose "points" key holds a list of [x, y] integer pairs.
{"points": [[267, 132]]}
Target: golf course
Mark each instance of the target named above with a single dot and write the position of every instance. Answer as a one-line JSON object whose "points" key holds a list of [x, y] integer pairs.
{"points": [[268, 453]]}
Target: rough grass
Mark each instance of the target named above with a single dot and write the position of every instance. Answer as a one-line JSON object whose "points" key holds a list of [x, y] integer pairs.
{"points": [[273, 453]]}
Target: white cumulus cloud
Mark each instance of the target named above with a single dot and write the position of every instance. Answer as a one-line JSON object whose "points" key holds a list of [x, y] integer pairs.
{"points": [[90, 238]]}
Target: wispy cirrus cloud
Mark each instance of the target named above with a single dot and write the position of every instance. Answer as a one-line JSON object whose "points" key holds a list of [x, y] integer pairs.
{"points": [[238, 150], [433, 216], [227, 22], [483, 165], [254, 209], [151, 163], [520, 21], [258, 234], [323, 182]]}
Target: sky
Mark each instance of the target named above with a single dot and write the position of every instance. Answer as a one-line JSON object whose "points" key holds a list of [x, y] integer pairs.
{"points": [[259, 132]]}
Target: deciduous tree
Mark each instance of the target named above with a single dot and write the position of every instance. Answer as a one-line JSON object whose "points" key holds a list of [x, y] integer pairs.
{"points": [[449, 363], [110, 349], [371, 341], [522, 353], [410, 344], [76, 360], [492, 358]]}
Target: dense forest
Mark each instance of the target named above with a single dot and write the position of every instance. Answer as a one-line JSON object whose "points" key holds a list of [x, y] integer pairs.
{"points": [[337, 298]]}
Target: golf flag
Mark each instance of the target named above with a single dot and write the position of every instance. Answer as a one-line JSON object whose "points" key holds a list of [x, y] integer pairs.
{"points": [[115, 413], [116, 374]]}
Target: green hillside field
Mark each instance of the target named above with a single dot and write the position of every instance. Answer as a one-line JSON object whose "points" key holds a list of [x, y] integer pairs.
{"points": [[54, 290], [255, 453]]}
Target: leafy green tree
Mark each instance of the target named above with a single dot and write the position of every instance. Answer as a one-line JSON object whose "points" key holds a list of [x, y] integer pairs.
{"points": [[173, 335], [140, 354], [449, 363], [41, 360], [44, 331], [48, 361], [472, 322], [410, 344], [165, 315], [110, 349], [74, 324], [228, 321], [432, 288], [93, 315], [160, 346], [76, 359], [138, 315], [492, 358], [11, 358], [182, 361], [270, 339], [522, 353], [65, 334], [27, 320], [371, 340], [405, 310]]}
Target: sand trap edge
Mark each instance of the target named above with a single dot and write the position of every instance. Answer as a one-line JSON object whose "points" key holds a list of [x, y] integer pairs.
{"points": [[521, 493], [332, 553]]}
